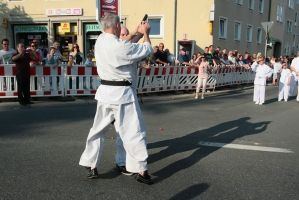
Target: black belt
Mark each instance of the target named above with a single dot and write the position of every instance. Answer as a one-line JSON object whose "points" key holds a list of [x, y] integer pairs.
{"points": [[115, 83]]}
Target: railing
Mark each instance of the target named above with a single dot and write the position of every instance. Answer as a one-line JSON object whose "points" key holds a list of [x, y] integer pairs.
{"points": [[62, 81]]}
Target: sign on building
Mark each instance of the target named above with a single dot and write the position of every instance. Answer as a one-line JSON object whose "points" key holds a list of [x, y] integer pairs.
{"points": [[103, 6]]}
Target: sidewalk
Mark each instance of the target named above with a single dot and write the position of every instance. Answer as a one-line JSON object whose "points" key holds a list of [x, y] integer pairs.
{"points": [[42, 102]]}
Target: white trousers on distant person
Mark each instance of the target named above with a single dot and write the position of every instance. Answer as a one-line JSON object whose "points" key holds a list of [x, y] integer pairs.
{"points": [[283, 91], [297, 99], [259, 93], [131, 143], [201, 81]]}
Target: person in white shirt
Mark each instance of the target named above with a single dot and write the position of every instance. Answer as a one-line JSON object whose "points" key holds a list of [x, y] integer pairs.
{"points": [[284, 83], [295, 68], [117, 100], [6, 53], [276, 73], [263, 72]]}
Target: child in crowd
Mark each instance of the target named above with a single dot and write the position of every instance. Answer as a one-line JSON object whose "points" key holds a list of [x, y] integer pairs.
{"points": [[70, 61], [89, 62], [284, 83]]}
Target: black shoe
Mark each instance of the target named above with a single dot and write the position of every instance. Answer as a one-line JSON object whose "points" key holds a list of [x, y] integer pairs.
{"points": [[124, 171], [144, 179], [92, 173]]}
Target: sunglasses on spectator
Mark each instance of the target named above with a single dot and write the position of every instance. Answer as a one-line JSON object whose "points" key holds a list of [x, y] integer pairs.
{"points": [[33, 46], [6, 44]]}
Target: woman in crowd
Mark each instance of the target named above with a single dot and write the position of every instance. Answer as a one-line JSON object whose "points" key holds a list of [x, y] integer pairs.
{"points": [[203, 69], [263, 72], [37, 60], [77, 55], [284, 83], [194, 59]]}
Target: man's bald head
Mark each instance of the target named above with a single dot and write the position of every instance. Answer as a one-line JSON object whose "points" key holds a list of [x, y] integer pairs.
{"points": [[123, 32]]}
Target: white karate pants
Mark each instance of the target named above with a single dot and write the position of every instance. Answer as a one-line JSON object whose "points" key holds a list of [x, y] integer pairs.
{"points": [[131, 141], [283, 91], [297, 99], [259, 93], [202, 81]]}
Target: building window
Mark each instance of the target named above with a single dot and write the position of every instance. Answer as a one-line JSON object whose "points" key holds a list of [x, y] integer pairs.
{"points": [[296, 18], [287, 49], [297, 1], [237, 35], [289, 26], [239, 2], [259, 36], [222, 28], [261, 6], [249, 33], [157, 26], [251, 4], [294, 40], [279, 16], [291, 4]]}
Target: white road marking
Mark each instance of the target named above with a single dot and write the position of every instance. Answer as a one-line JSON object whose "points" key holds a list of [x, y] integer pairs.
{"points": [[245, 147]]}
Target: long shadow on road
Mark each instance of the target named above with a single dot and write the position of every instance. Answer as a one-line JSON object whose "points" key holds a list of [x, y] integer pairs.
{"points": [[225, 132]]}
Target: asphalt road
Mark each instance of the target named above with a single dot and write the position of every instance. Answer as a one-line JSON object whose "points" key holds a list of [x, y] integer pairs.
{"points": [[40, 151]]}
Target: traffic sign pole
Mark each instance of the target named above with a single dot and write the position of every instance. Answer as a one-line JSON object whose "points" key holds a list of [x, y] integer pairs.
{"points": [[267, 26]]}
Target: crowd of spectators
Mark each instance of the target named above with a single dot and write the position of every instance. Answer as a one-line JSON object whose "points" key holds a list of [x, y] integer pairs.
{"points": [[217, 58]]}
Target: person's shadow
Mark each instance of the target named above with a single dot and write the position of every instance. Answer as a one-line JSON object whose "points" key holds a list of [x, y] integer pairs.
{"points": [[225, 132]]}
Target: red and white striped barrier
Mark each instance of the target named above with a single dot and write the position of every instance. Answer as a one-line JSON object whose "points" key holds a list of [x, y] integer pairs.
{"points": [[157, 79], [188, 79], [81, 80]]}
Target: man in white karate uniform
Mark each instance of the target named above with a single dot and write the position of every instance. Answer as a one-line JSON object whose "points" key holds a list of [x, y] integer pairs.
{"points": [[295, 68], [116, 65]]}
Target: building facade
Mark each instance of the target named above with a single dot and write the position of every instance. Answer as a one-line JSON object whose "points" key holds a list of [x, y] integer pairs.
{"points": [[51, 20], [193, 24], [285, 29]]}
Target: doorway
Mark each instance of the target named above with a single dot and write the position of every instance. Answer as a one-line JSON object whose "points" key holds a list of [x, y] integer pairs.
{"points": [[277, 49]]}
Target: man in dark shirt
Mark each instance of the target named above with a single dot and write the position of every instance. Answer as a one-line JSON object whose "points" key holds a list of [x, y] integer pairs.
{"points": [[209, 56], [22, 60], [161, 56]]}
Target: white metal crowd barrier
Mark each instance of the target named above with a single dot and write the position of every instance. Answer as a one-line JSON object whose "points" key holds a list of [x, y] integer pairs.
{"points": [[47, 81]]}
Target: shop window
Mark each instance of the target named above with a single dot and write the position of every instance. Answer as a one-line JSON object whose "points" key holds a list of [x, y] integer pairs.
{"points": [[91, 33], [25, 34], [157, 26], [66, 35]]}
